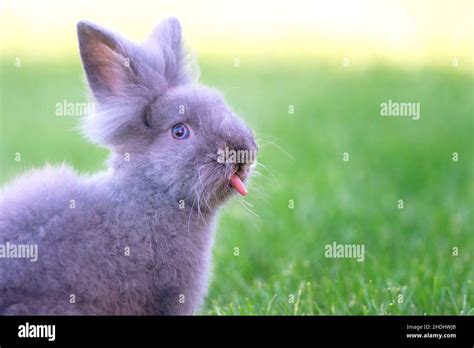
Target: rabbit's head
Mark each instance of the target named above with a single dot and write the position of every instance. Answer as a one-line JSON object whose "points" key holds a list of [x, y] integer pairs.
{"points": [[180, 136]]}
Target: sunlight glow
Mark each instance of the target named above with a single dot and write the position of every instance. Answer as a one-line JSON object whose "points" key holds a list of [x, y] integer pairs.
{"points": [[395, 30]]}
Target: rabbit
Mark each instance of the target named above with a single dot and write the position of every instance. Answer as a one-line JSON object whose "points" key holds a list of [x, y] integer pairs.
{"points": [[135, 239]]}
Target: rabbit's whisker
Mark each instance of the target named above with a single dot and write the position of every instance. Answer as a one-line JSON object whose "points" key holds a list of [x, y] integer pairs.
{"points": [[199, 207], [260, 164], [245, 205], [206, 200], [190, 214]]}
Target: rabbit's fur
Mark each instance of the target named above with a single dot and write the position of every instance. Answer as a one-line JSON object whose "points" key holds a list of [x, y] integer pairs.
{"points": [[137, 238]]}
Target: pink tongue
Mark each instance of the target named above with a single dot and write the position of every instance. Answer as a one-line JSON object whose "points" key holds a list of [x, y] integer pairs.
{"points": [[238, 185]]}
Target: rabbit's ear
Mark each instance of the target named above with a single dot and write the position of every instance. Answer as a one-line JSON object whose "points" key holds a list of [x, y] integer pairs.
{"points": [[167, 37], [104, 55]]}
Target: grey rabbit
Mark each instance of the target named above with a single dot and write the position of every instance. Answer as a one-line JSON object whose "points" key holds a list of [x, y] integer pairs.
{"points": [[135, 239]]}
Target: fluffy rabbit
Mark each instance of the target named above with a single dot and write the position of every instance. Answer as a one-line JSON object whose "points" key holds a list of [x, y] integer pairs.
{"points": [[137, 238]]}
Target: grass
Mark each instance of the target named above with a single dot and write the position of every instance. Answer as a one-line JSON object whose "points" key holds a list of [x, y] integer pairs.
{"points": [[274, 262]]}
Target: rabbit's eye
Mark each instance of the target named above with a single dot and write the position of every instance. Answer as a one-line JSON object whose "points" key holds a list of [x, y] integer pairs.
{"points": [[180, 131]]}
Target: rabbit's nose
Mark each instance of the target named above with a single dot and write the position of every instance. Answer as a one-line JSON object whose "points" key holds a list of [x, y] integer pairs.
{"points": [[242, 169]]}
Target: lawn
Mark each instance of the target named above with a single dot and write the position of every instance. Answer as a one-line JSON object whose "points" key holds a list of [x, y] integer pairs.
{"points": [[269, 255]]}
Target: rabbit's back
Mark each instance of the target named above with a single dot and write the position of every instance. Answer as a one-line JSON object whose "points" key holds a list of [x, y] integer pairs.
{"points": [[39, 210], [37, 199], [70, 222], [99, 251]]}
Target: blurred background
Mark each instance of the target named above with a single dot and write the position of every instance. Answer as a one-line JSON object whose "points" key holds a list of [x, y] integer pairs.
{"points": [[309, 77]]}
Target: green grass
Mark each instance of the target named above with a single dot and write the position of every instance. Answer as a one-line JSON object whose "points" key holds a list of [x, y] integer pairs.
{"points": [[281, 267]]}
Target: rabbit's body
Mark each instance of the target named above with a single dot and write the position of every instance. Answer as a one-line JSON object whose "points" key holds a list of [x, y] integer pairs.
{"points": [[129, 252], [137, 238]]}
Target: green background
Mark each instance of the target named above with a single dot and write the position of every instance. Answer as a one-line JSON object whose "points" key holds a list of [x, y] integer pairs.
{"points": [[281, 267]]}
